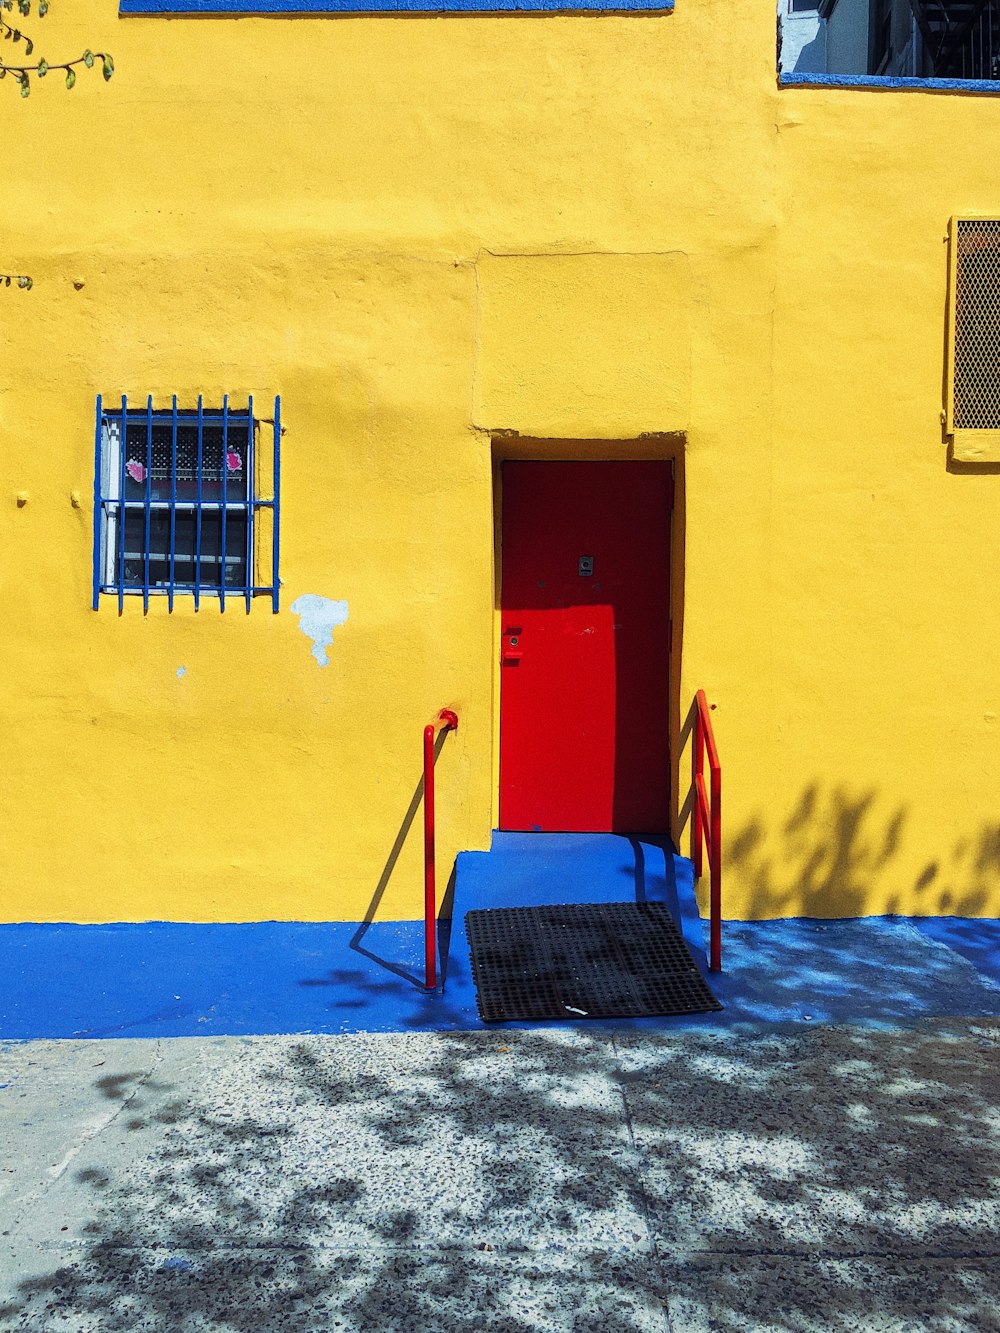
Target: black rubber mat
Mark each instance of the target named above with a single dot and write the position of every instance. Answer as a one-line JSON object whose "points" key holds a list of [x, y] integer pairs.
{"points": [[583, 960]]}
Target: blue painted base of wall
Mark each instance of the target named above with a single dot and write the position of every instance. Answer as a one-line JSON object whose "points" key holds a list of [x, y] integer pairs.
{"points": [[168, 979]]}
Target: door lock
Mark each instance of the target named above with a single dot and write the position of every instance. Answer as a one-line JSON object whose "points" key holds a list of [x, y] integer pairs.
{"points": [[511, 650]]}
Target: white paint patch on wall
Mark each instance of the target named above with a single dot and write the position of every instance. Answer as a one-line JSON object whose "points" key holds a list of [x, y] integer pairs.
{"points": [[318, 617]]}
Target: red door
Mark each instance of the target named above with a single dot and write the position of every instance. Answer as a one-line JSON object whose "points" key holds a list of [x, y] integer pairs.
{"points": [[585, 649]]}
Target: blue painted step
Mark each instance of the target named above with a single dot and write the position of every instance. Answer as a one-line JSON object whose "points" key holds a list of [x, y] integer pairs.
{"points": [[531, 869]]}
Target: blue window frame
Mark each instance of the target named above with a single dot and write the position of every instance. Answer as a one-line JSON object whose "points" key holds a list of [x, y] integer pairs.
{"points": [[236, 7], [186, 502]]}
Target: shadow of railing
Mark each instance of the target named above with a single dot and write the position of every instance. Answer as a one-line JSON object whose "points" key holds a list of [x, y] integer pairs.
{"points": [[357, 939], [446, 914]]}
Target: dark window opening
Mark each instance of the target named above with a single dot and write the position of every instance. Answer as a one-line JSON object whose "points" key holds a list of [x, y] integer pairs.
{"points": [[922, 39]]}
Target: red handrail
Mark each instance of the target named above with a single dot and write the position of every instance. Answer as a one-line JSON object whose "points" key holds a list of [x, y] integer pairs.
{"points": [[708, 816], [446, 720]]}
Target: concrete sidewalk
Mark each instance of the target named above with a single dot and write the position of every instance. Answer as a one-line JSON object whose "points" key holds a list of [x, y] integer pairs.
{"points": [[825, 1178]]}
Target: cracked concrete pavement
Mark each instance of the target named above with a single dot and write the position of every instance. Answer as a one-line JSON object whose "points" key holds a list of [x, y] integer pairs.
{"points": [[816, 1179]]}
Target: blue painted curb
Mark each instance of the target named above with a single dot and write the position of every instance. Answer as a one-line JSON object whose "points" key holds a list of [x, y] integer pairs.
{"points": [[170, 979], [176, 979]]}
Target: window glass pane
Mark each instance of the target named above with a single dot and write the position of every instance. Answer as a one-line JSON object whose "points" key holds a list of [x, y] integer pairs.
{"points": [[140, 457], [186, 548]]}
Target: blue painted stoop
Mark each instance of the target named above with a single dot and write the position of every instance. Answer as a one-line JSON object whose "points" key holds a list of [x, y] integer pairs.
{"points": [[872, 971], [544, 869]]}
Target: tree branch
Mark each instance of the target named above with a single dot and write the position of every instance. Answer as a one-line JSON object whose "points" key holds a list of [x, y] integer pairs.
{"points": [[22, 73]]}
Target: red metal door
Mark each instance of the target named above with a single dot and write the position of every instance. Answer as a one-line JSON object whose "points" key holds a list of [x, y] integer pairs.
{"points": [[585, 649]]}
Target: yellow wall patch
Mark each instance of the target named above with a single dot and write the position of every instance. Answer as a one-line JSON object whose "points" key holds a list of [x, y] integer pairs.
{"points": [[422, 234]]}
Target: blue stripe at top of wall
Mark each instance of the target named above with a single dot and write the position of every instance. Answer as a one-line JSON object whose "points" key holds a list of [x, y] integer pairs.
{"points": [[236, 8], [888, 83]]}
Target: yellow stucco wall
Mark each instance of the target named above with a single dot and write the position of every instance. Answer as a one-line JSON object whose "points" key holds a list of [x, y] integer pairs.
{"points": [[422, 232]]}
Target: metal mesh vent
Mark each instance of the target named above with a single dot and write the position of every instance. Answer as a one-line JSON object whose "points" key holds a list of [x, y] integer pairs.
{"points": [[976, 384]]}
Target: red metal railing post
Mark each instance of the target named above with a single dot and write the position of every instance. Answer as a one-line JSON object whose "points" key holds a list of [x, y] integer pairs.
{"points": [[715, 930], [430, 887], [697, 778], [707, 823], [447, 719]]}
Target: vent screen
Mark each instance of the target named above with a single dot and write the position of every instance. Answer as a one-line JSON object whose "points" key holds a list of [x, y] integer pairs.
{"points": [[976, 325]]}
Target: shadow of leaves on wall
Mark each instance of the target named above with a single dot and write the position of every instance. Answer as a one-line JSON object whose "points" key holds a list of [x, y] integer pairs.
{"points": [[831, 852], [823, 858]]}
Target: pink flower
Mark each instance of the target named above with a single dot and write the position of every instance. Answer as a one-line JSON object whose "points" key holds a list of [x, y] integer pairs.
{"points": [[233, 461], [135, 470]]}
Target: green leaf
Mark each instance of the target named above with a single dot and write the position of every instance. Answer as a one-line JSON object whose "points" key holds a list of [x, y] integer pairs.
{"points": [[70, 78], [43, 8], [25, 284], [25, 86], [88, 59], [43, 68], [108, 68]]}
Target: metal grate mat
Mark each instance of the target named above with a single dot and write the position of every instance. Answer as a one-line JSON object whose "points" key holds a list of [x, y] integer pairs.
{"points": [[583, 960]]}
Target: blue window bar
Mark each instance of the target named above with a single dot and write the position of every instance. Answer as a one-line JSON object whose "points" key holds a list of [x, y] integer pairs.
{"points": [[186, 502]]}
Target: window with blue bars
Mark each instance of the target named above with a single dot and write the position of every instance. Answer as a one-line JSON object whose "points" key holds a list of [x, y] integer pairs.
{"points": [[186, 502]]}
